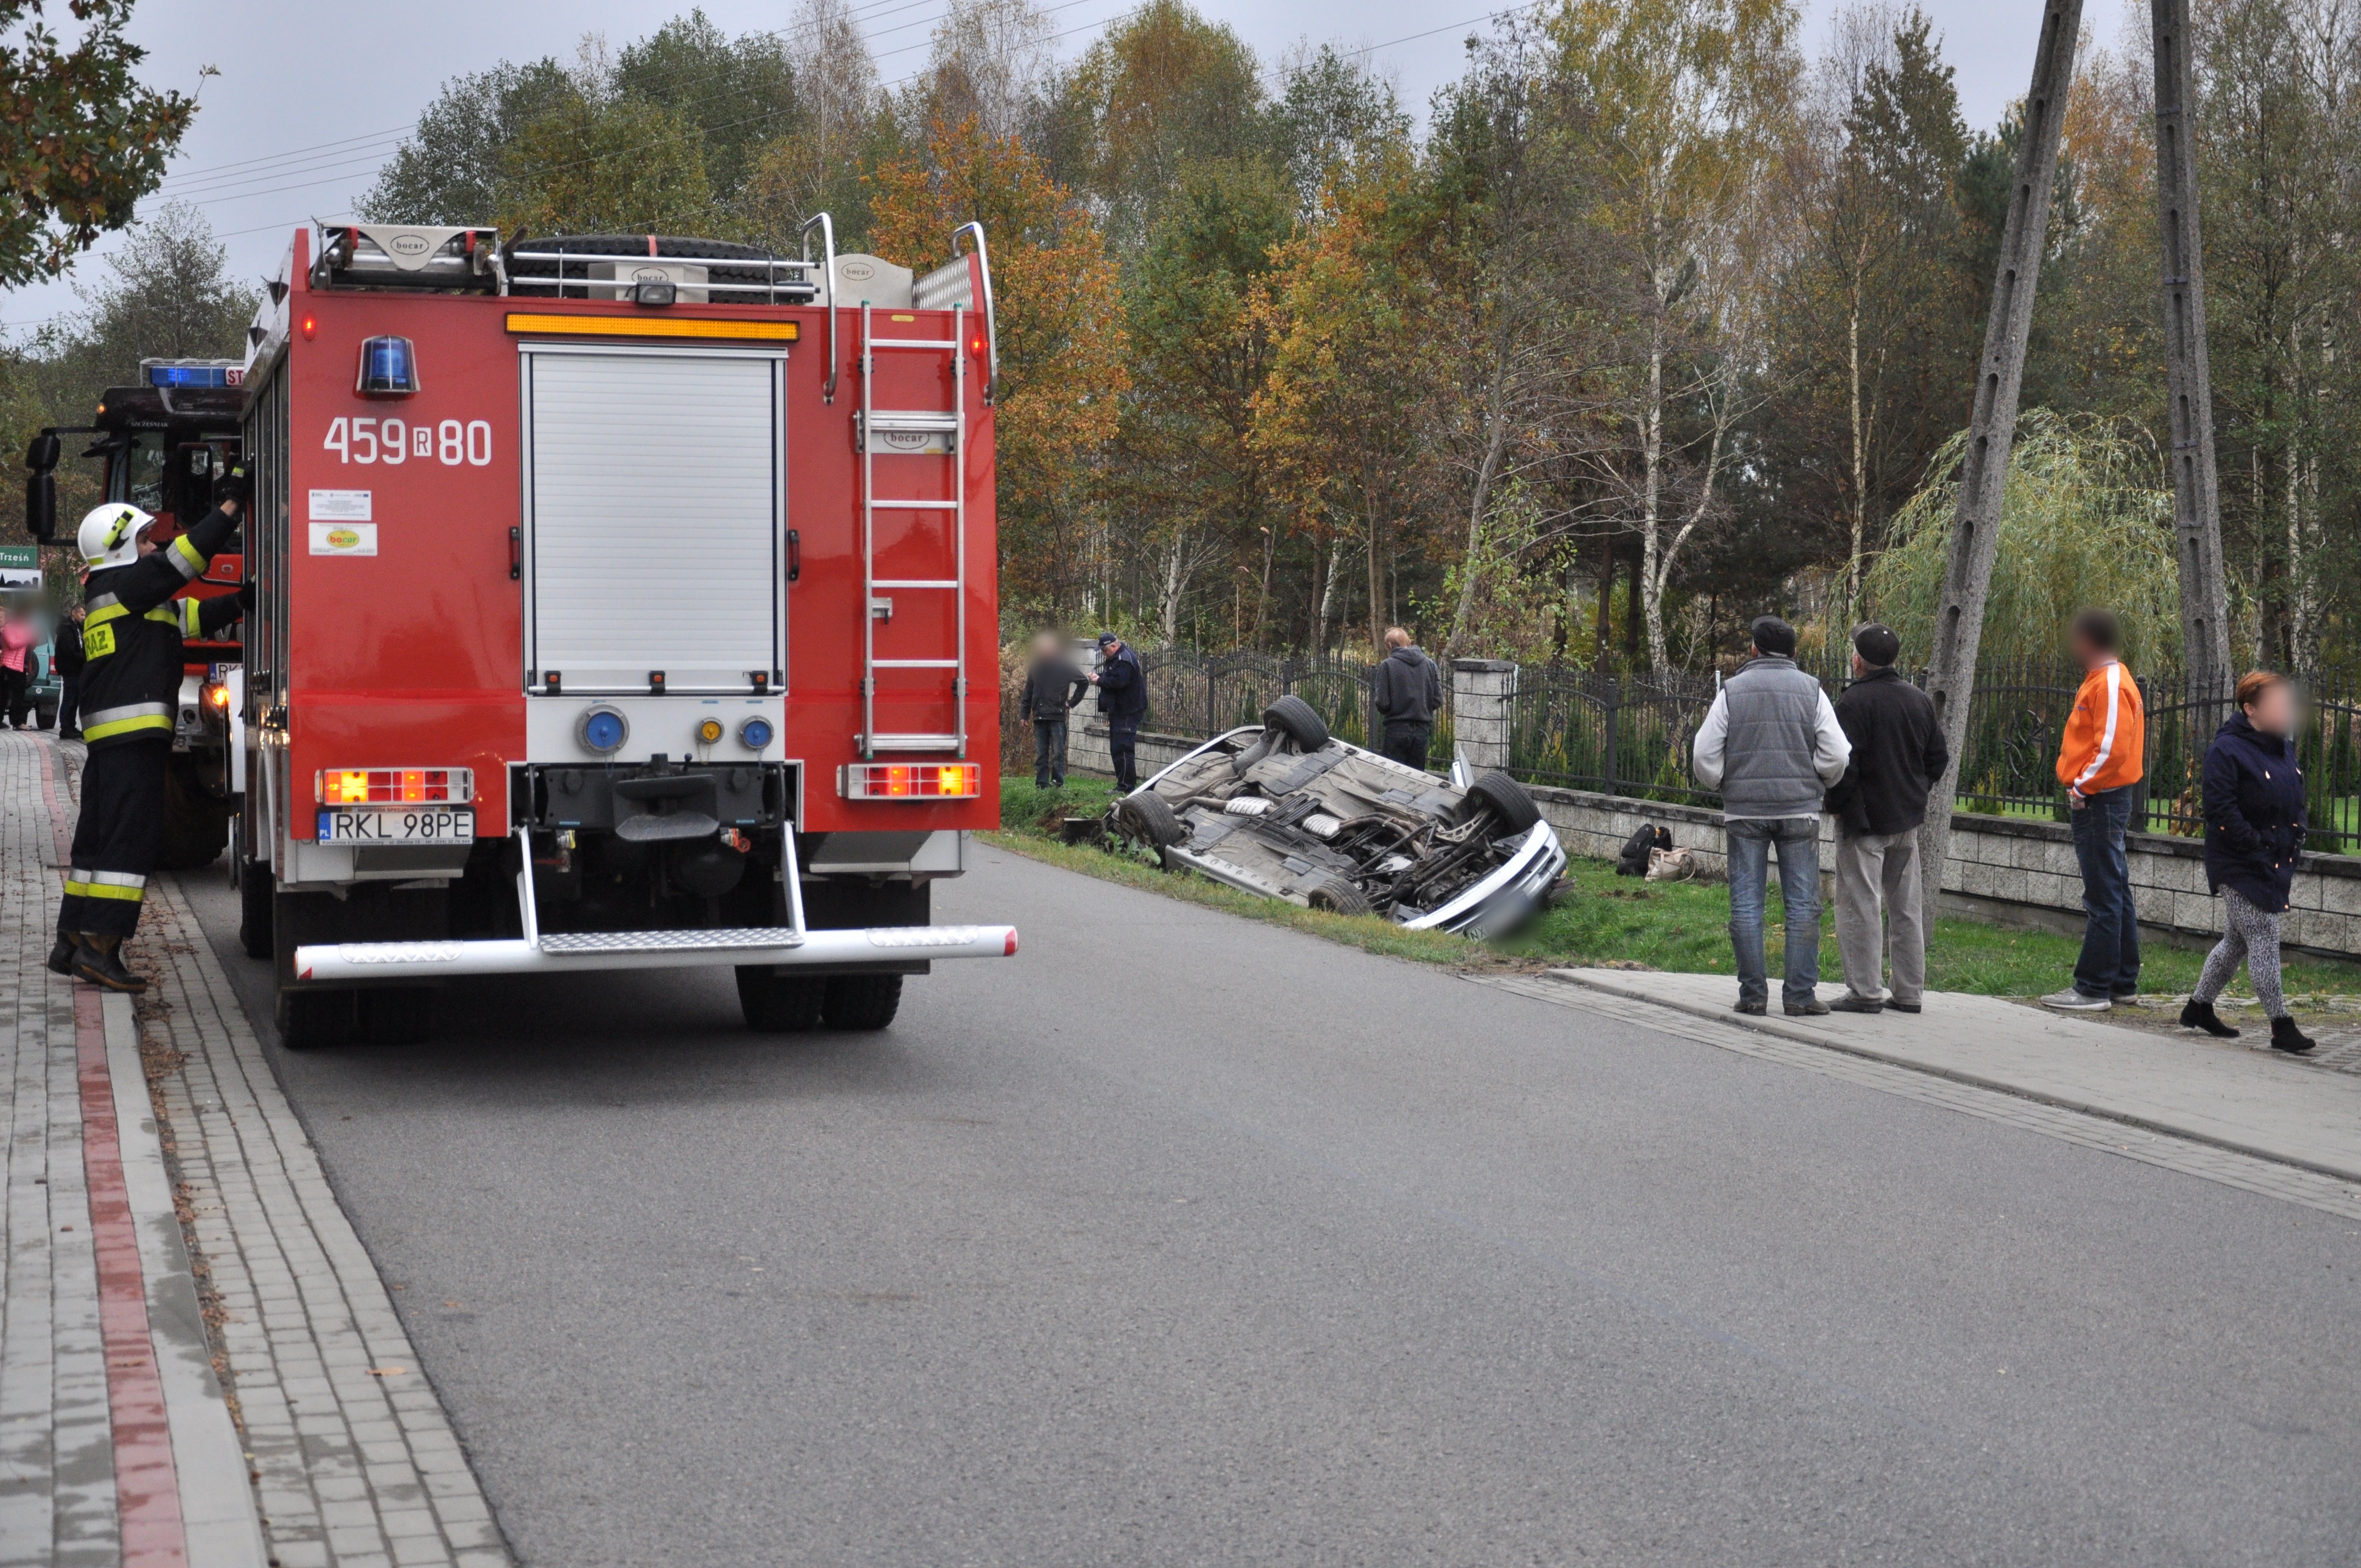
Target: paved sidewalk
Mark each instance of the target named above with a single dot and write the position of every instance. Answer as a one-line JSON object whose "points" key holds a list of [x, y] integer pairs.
{"points": [[199, 1366], [2228, 1094]]}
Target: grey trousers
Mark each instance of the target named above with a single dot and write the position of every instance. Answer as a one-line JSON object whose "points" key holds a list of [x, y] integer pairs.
{"points": [[1870, 866]]}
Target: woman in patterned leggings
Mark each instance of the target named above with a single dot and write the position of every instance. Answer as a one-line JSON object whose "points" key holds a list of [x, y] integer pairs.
{"points": [[2254, 835]]}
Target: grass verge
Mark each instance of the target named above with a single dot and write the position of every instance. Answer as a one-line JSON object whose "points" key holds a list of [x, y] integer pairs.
{"points": [[1602, 920]]}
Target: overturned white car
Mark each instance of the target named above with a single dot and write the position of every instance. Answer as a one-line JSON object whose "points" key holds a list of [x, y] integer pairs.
{"points": [[1287, 811]]}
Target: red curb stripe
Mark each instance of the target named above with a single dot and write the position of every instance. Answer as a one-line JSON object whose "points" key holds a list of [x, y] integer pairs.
{"points": [[146, 1484]]}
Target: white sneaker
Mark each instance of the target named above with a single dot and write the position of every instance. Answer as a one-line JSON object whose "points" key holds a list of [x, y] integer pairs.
{"points": [[2072, 1001]]}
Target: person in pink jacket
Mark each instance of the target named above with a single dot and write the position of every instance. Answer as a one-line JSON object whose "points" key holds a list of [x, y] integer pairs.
{"points": [[17, 635]]}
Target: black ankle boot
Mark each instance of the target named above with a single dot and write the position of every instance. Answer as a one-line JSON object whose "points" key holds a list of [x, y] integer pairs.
{"points": [[103, 967], [62, 956], [2286, 1037], [2201, 1015]]}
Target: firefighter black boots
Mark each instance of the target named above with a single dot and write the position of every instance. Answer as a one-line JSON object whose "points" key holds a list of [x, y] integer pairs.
{"points": [[100, 961], [62, 956]]}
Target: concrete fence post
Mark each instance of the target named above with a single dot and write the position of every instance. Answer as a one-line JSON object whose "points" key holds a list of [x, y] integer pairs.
{"points": [[1482, 697]]}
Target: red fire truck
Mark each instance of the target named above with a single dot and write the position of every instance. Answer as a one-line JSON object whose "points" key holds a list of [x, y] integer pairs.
{"points": [[162, 446], [625, 602]]}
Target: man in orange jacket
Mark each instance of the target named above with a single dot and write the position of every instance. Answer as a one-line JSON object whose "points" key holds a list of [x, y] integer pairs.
{"points": [[2100, 763]]}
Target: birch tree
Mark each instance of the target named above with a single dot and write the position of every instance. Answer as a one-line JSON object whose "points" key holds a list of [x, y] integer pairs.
{"points": [[1690, 105]]}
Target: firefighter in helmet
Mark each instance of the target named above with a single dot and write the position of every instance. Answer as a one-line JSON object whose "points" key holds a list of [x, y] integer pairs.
{"points": [[132, 628]]}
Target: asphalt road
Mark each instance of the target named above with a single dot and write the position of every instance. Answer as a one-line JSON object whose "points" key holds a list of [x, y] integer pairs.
{"points": [[1182, 1240]]}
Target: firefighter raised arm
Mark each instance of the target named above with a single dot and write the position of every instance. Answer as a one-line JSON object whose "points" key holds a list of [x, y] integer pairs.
{"points": [[132, 632]]}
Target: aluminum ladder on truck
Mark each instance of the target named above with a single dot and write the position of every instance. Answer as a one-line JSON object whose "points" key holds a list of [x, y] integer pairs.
{"points": [[914, 434]]}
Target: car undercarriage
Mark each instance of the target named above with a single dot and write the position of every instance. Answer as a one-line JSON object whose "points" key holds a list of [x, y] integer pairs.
{"points": [[1287, 811]]}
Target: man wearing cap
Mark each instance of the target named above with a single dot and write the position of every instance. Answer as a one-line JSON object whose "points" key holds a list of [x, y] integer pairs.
{"points": [[1898, 756], [1123, 700], [1772, 745]]}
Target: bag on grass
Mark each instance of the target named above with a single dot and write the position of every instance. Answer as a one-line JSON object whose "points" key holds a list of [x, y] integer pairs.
{"points": [[1671, 865]]}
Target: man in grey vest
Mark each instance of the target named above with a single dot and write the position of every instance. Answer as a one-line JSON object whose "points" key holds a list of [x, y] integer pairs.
{"points": [[1772, 744]]}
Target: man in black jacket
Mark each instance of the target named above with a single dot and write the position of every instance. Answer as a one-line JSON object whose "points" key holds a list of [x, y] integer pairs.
{"points": [[1123, 698], [65, 645], [1405, 690], [1898, 756], [130, 691], [1052, 688]]}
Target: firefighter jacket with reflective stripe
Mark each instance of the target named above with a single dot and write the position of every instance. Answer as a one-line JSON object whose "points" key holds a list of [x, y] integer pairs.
{"points": [[132, 629], [2106, 744]]}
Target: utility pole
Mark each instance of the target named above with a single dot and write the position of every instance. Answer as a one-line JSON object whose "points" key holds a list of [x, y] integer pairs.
{"points": [[2196, 503], [1975, 529]]}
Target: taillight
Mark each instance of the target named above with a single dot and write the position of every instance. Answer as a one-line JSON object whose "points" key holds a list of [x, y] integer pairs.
{"points": [[911, 781], [395, 786]]}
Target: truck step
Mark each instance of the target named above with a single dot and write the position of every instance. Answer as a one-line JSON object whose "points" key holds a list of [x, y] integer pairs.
{"points": [[717, 938]]}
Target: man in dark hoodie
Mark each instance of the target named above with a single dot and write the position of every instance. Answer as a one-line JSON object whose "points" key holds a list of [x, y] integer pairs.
{"points": [[1052, 688], [1122, 681], [1405, 690]]}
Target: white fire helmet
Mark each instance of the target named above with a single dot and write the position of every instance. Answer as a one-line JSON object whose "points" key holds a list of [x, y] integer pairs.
{"points": [[110, 534]]}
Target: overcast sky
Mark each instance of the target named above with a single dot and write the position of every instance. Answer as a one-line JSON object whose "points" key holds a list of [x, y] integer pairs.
{"points": [[310, 98]]}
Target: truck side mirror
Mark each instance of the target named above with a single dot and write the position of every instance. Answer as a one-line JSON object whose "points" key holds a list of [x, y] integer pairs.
{"points": [[41, 487]]}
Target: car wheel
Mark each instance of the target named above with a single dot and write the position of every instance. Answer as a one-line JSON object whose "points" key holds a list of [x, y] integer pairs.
{"points": [[1297, 721], [1507, 798], [862, 1001], [779, 1004], [1337, 897], [1147, 818], [45, 718]]}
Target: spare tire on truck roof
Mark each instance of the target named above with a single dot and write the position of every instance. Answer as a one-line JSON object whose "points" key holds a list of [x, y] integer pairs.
{"points": [[1297, 721]]}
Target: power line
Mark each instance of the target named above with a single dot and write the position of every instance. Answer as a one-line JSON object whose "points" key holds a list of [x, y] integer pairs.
{"points": [[285, 161], [1363, 52]]}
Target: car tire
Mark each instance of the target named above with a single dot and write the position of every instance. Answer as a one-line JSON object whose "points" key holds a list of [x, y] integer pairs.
{"points": [[1337, 897], [1146, 817], [779, 1004], [254, 910], [45, 718], [862, 1001], [1506, 797], [395, 1014], [1297, 721]]}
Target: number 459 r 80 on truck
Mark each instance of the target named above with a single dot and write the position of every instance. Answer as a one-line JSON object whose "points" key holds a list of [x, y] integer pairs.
{"points": [[624, 601]]}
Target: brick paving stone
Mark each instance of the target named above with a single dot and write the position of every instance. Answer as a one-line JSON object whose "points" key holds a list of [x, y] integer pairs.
{"points": [[350, 1470], [346, 1460], [58, 1502]]}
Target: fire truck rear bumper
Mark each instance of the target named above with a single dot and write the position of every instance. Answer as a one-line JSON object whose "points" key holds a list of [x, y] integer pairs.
{"points": [[885, 948]]}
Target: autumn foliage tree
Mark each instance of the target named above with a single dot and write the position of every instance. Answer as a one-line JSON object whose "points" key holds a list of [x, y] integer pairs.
{"points": [[1352, 370], [1063, 359]]}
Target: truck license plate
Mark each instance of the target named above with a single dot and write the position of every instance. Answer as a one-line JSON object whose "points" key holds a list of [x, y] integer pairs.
{"points": [[419, 825]]}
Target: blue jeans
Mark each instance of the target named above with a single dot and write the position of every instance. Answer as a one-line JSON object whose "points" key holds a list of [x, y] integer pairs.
{"points": [[2110, 963], [1751, 843]]}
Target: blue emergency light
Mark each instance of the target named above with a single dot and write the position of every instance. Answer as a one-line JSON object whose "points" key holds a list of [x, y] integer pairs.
{"points": [[388, 368], [166, 373]]}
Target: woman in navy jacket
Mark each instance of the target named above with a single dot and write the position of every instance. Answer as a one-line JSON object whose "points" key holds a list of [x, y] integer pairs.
{"points": [[2254, 835]]}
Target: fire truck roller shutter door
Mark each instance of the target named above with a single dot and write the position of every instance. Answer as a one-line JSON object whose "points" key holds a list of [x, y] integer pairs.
{"points": [[655, 517]]}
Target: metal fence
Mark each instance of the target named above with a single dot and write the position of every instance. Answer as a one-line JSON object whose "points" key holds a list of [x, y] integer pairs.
{"points": [[1203, 694], [1629, 735]]}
